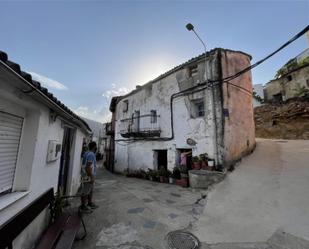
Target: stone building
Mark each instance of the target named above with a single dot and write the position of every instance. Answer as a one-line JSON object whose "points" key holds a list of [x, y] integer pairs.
{"points": [[178, 112], [292, 80]]}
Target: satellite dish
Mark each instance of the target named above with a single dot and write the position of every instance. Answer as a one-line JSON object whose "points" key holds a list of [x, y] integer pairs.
{"points": [[190, 141]]}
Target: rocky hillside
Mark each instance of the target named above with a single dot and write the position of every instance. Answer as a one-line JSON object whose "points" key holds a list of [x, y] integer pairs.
{"points": [[283, 121]]}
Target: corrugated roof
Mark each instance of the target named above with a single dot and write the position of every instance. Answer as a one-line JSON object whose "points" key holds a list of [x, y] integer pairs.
{"points": [[37, 85]]}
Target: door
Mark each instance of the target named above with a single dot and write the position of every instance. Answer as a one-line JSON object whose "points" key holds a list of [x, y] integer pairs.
{"points": [[162, 158], [67, 142]]}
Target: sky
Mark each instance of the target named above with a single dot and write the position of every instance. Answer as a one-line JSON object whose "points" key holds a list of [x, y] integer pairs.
{"points": [[85, 52]]}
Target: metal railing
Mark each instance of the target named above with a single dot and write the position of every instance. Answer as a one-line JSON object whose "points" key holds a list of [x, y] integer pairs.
{"points": [[147, 125]]}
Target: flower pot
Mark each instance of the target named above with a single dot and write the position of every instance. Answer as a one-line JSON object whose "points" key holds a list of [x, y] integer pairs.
{"points": [[204, 165], [171, 180], [163, 179], [211, 163], [196, 165], [183, 182]]}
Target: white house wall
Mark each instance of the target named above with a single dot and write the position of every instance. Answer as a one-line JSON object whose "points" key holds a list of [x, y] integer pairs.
{"points": [[156, 96], [33, 175]]}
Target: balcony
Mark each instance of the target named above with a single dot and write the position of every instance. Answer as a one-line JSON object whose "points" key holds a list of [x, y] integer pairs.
{"points": [[109, 129], [140, 126]]}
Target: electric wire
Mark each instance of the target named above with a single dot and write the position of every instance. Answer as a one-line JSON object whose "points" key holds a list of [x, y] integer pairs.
{"points": [[212, 83]]}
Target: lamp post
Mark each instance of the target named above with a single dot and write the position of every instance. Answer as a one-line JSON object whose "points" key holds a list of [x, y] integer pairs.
{"points": [[190, 27]]}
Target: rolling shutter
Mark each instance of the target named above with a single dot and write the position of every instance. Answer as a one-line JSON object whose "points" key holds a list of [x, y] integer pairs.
{"points": [[10, 132]]}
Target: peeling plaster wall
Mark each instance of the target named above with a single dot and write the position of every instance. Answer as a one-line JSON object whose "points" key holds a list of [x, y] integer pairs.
{"points": [[156, 96], [288, 89], [239, 128]]}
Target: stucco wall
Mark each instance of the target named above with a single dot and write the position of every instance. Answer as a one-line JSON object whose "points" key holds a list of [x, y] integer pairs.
{"points": [[156, 96], [33, 174], [239, 128], [288, 89]]}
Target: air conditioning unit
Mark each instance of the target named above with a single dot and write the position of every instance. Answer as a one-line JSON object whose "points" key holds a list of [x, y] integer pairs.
{"points": [[53, 151]]}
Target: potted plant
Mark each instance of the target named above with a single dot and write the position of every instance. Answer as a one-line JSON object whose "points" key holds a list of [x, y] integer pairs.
{"points": [[184, 176], [196, 163], [153, 174], [163, 174], [176, 173], [204, 163], [170, 177]]}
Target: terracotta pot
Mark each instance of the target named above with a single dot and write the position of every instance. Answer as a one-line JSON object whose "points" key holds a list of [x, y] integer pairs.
{"points": [[183, 182], [196, 165], [163, 179], [204, 165]]}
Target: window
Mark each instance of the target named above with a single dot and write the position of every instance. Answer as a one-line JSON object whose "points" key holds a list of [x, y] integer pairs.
{"points": [[10, 133], [197, 108], [136, 121], [153, 117], [289, 77], [200, 111], [125, 105], [193, 71]]}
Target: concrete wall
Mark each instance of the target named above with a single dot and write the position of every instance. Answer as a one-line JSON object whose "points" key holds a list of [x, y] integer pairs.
{"points": [[288, 89], [239, 128], [156, 96], [33, 175]]}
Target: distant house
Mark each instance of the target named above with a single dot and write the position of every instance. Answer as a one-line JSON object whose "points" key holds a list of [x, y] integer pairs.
{"points": [[176, 113], [258, 95], [291, 81], [40, 147]]}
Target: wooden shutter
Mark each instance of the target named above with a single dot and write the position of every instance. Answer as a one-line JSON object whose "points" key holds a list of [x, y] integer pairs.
{"points": [[10, 133]]}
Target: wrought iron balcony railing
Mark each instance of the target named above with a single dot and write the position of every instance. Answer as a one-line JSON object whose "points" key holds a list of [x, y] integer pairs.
{"points": [[141, 126]]}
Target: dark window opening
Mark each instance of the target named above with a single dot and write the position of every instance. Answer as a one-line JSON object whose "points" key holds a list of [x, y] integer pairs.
{"points": [[125, 105], [161, 158], [289, 77], [153, 117], [193, 70]]}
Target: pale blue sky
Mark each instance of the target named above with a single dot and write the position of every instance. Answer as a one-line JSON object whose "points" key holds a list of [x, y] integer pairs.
{"points": [[99, 48]]}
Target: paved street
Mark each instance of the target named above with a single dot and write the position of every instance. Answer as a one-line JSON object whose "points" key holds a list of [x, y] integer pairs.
{"points": [[269, 190], [262, 204], [137, 214]]}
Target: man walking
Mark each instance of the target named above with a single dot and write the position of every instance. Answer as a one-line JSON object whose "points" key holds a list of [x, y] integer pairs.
{"points": [[89, 167]]}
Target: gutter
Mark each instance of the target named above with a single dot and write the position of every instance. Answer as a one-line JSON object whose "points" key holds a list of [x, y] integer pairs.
{"points": [[48, 101]]}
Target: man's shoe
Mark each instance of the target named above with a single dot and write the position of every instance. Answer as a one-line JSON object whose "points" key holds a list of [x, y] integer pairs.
{"points": [[85, 209], [92, 205]]}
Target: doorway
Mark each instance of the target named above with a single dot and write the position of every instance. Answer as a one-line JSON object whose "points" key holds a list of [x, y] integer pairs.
{"points": [[65, 160], [188, 157], [160, 159]]}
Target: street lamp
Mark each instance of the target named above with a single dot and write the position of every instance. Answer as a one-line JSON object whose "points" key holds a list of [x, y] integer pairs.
{"points": [[190, 27]]}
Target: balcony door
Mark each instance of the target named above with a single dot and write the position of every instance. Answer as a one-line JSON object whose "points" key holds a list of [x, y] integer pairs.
{"points": [[136, 121]]}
